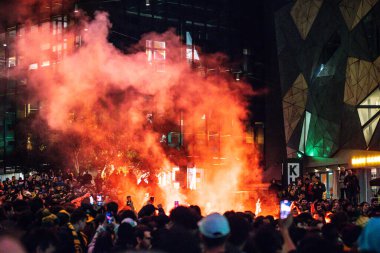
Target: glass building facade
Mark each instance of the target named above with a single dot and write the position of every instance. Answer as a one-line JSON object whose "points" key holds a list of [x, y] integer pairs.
{"points": [[329, 62]]}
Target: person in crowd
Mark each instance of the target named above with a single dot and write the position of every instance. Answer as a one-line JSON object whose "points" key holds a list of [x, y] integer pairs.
{"points": [[342, 185], [72, 238], [104, 242], [239, 233], [318, 188], [41, 240], [53, 212], [126, 238], [184, 217], [304, 205], [143, 237], [350, 235], [9, 243], [275, 187], [365, 209], [352, 187], [336, 206], [308, 187], [214, 230], [369, 239], [129, 203], [375, 207]]}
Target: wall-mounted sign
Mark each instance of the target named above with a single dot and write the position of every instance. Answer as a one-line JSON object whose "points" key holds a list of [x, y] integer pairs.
{"points": [[364, 161], [292, 169]]}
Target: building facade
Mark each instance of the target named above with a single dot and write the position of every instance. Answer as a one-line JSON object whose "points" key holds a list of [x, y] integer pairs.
{"points": [[329, 62]]}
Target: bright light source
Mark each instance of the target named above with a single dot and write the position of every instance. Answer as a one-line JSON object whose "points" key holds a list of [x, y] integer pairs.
{"points": [[45, 63], [4, 45], [237, 78], [76, 8], [33, 66], [174, 170], [85, 29], [147, 2]]}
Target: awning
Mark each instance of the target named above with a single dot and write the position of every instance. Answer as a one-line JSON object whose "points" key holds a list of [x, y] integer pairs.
{"points": [[344, 158]]}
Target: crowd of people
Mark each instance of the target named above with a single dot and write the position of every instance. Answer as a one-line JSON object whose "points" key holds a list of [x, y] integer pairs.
{"points": [[47, 212]]}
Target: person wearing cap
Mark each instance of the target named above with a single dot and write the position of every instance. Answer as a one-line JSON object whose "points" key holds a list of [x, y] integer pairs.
{"points": [[214, 230]]}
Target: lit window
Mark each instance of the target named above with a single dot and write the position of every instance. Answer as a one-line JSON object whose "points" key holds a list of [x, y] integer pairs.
{"points": [[156, 53], [369, 114], [194, 178], [45, 64], [191, 53], [33, 66], [155, 50], [12, 61]]}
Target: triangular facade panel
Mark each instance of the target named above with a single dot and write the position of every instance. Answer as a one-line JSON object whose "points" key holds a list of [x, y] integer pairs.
{"points": [[370, 129], [362, 77], [304, 13], [354, 10]]}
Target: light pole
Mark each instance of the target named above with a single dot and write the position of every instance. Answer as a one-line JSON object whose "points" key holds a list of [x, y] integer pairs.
{"points": [[5, 83]]}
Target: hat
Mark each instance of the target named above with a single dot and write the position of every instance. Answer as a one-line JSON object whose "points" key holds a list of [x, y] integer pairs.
{"points": [[369, 239], [214, 225]]}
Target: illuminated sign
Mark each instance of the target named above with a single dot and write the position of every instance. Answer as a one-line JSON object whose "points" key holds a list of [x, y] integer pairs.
{"points": [[365, 161]]}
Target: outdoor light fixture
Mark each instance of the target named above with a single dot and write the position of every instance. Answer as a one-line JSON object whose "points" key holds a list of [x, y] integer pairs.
{"points": [[76, 8], [237, 77], [4, 45], [147, 2]]}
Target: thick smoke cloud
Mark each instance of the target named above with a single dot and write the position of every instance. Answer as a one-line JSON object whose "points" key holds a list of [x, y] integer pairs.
{"points": [[113, 108]]}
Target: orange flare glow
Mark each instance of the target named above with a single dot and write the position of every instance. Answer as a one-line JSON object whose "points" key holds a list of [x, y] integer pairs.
{"points": [[108, 108]]}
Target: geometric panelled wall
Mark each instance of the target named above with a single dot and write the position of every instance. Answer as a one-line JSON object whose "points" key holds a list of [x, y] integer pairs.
{"points": [[293, 104], [329, 63]]}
